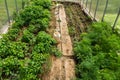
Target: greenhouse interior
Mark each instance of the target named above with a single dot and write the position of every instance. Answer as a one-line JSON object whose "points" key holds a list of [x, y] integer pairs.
{"points": [[59, 39]]}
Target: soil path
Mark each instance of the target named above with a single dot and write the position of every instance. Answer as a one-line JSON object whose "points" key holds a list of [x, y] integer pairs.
{"points": [[68, 19], [62, 68]]}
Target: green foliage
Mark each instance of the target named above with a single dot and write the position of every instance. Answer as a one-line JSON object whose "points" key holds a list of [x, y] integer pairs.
{"points": [[26, 48], [31, 13], [44, 23], [36, 15], [46, 14], [71, 30], [41, 48], [44, 44], [33, 66], [41, 23], [10, 67], [8, 48], [83, 50], [43, 37], [19, 23], [27, 37], [12, 34], [97, 54], [45, 3], [33, 29], [56, 52]]}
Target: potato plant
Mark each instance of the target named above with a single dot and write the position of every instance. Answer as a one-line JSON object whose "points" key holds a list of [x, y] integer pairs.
{"points": [[27, 47]]}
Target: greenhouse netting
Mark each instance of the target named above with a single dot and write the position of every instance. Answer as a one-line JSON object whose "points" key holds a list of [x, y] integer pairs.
{"points": [[101, 10], [7, 8]]}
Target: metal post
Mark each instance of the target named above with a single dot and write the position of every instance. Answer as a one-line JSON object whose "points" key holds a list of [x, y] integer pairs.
{"points": [[105, 10], [116, 20], [90, 6], [16, 5], [7, 11], [96, 9]]}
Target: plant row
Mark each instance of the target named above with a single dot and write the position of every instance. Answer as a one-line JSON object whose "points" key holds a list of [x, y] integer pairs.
{"points": [[97, 54], [27, 47]]}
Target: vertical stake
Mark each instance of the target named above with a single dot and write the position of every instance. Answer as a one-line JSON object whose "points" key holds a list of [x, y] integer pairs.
{"points": [[7, 11], [16, 5], [96, 9], [116, 20], [105, 10]]}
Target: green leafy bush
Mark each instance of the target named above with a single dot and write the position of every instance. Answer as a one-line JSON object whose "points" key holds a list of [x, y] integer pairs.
{"points": [[43, 37], [10, 67], [33, 29], [45, 3], [13, 34], [35, 15], [31, 13], [44, 23], [27, 36], [41, 23], [97, 54], [26, 48], [44, 44], [46, 14], [33, 67], [19, 22], [55, 51], [9, 48]]}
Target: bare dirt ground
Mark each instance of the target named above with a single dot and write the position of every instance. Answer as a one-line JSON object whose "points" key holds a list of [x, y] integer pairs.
{"points": [[70, 21], [62, 68]]}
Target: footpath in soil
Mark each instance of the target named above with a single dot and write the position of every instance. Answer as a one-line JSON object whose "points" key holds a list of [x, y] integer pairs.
{"points": [[62, 68], [69, 21]]}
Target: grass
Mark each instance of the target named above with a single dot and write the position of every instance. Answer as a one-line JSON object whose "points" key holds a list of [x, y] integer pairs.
{"points": [[110, 18]]}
